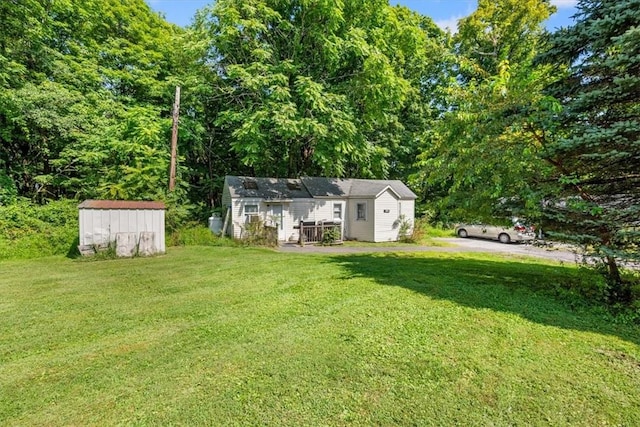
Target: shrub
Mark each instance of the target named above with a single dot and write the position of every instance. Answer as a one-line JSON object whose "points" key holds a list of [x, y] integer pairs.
{"points": [[404, 228], [28, 230], [196, 234], [423, 230], [258, 234], [330, 235], [8, 190]]}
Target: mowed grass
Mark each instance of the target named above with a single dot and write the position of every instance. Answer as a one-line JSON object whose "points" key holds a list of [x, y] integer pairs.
{"points": [[238, 336]]}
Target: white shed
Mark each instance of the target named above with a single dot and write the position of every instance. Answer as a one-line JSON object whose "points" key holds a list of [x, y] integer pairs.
{"points": [[140, 223]]}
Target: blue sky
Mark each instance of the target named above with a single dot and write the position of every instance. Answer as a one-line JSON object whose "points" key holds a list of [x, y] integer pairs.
{"points": [[444, 12]]}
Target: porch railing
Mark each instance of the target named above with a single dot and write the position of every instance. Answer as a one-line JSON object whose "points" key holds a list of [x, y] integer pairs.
{"points": [[321, 232]]}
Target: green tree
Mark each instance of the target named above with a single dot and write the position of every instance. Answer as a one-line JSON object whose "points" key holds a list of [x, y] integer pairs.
{"points": [[128, 159], [67, 71], [318, 86], [480, 160], [498, 32], [596, 151], [203, 146]]}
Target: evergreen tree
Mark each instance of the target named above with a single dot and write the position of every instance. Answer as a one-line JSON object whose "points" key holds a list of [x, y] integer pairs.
{"points": [[596, 152]]}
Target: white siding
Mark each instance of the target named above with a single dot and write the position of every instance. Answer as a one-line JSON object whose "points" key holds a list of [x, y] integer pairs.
{"points": [[238, 220], [324, 210], [160, 224], [360, 229], [309, 210], [292, 213], [407, 208], [100, 226], [226, 194], [302, 210], [386, 217], [95, 228], [378, 226]]}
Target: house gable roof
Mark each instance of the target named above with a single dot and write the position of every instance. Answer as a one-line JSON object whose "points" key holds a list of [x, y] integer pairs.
{"points": [[367, 188], [314, 187], [327, 187], [266, 188]]}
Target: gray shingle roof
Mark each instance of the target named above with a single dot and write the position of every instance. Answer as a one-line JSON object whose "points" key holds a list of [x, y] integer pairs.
{"points": [[327, 187], [308, 187], [267, 188], [373, 187]]}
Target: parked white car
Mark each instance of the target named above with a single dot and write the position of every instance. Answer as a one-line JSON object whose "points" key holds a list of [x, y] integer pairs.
{"points": [[516, 233]]}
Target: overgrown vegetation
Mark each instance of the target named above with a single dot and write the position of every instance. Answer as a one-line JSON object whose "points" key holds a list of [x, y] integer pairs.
{"points": [[330, 235], [31, 231], [424, 229], [195, 234], [246, 336], [404, 227], [258, 233]]}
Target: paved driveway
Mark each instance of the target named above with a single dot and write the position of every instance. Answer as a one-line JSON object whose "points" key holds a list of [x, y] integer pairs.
{"points": [[558, 253]]}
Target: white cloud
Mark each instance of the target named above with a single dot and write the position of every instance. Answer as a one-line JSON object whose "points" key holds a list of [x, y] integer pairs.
{"points": [[449, 24], [564, 4]]}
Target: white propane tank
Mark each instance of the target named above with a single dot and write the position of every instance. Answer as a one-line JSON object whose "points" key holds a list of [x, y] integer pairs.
{"points": [[215, 224]]}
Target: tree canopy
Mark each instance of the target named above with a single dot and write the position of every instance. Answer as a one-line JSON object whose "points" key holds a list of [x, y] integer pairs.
{"points": [[319, 87], [480, 161], [70, 72]]}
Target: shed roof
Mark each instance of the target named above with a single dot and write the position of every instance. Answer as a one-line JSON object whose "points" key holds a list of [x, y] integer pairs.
{"points": [[121, 204], [308, 187]]}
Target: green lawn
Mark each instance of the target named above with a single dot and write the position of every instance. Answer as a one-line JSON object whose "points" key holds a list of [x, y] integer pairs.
{"points": [[237, 336]]}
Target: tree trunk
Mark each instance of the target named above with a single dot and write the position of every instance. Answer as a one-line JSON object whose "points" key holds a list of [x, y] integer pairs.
{"points": [[620, 291]]}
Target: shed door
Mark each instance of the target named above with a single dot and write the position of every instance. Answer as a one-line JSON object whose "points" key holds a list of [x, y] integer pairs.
{"points": [[275, 214]]}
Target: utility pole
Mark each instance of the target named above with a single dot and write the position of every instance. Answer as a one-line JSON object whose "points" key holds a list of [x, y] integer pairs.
{"points": [[174, 140]]}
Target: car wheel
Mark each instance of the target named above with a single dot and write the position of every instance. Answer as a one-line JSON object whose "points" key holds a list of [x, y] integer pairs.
{"points": [[463, 233], [504, 238]]}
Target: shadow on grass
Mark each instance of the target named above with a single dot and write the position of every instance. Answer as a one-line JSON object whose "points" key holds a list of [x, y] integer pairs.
{"points": [[73, 252], [537, 292]]}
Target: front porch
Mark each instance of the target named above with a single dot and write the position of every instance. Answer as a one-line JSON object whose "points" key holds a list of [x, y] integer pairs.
{"points": [[326, 232]]}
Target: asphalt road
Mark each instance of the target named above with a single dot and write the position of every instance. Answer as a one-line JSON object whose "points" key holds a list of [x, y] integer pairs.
{"points": [[555, 252]]}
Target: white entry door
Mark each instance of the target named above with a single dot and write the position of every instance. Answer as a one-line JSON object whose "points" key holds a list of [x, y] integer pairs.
{"points": [[276, 215]]}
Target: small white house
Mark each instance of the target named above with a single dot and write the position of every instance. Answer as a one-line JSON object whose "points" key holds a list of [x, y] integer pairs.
{"points": [[364, 209], [139, 224]]}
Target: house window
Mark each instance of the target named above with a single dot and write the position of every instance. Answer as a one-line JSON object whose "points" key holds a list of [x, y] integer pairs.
{"points": [[337, 211], [250, 210], [361, 212]]}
